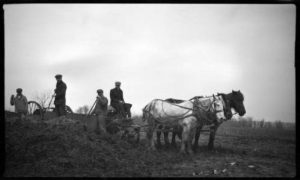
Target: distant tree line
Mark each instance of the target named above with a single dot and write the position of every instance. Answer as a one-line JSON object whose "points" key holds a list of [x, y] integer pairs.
{"points": [[83, 109], [249, 122]]}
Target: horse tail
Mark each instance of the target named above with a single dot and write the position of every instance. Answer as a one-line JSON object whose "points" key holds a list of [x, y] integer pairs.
{"points": [[147, 109]]}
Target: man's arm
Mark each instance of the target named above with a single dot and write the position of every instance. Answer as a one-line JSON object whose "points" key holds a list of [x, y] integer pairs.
{"points": [[26, 102], [103, 101], [113, 95], [122, 96]]}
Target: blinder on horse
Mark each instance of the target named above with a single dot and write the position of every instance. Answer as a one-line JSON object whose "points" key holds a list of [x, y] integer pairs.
{"points": [[187, 115], [209, 109], [233, 100]]}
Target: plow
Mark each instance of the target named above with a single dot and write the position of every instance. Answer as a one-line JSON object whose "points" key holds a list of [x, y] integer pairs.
{"points": [[44, 113]]}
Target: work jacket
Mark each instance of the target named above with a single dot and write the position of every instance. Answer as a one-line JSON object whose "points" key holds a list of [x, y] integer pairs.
{"points": [[20, 102], [60, 91], [101, 106], [116, 95]]}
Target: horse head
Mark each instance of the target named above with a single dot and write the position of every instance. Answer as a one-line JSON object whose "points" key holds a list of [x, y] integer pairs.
{"points": [[227, 107], [219, 108], [237, 102]]}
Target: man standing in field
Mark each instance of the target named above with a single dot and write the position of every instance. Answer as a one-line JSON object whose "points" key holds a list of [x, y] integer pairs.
{"points": [[100, 110], [117, 100], [20, 102], [60, 96]]}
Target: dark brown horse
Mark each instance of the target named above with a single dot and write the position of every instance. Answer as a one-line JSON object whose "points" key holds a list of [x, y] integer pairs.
{"points": [[233, 100]]}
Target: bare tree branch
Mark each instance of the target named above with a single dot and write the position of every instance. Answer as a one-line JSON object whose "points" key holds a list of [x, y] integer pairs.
{"points": [[43, 98], [83, 110]]}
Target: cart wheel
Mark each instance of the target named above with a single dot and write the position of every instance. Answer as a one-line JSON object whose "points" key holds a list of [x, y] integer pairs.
{"points": [[35, 109], [68, 109]]}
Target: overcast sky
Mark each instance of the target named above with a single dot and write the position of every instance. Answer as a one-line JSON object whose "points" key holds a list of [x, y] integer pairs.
{"points": [[156, 51]]}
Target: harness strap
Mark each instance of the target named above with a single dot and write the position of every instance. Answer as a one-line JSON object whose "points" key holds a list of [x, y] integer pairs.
{"points": [[195, 110], [178, 116]]}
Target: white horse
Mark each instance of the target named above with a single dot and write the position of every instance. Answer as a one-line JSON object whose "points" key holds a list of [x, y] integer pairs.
{"points": [[187, 115]]}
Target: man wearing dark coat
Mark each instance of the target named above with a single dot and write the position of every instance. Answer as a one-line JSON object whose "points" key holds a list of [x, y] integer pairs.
{"points": [[60, 96], [116, 99]]}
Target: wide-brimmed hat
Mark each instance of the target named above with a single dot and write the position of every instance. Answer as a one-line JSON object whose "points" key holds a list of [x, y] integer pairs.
{"points": [[58, 76]]}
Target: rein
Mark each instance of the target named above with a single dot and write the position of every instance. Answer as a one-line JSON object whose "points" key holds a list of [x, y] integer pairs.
{"points": [[194, 109]]}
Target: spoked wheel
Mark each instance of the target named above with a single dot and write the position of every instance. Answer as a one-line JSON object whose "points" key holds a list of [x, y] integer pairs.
{"points": [[68, 109], [35, 109]]}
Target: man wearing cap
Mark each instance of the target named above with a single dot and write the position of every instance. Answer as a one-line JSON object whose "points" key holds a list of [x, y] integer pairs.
{"points": [[116, 99], [100, 110], [20, 102], [60, 96]]}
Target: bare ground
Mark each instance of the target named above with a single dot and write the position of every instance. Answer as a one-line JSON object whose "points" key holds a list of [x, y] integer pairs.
{"points": [[65, 149]]}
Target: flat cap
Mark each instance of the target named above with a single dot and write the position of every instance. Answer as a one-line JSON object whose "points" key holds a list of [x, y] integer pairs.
{"points": [[58, 76], [99, 91], [118, 83], [19, 90]]}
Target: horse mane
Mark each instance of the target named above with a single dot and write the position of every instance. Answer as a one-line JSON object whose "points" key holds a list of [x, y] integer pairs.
{"points": [[238, 95], [176, 101], [196, 97]]}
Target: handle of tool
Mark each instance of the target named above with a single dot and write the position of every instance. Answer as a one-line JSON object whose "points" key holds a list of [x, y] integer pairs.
{"points": [[50, 101], [92, 107]]}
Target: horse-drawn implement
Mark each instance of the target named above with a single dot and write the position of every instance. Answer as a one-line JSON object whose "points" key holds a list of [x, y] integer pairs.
{"points": [[184, 118], [117, 123], [36, 110]]}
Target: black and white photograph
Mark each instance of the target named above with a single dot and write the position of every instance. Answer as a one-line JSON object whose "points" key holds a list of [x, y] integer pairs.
{"points": [[149, 90]]}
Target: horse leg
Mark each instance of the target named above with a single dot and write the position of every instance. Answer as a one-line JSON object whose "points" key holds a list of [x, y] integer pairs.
{"points": [[174, 138], [212, 136], [166, 138], [184, 139], [189, 142], [197, 135], [150, 137], [179, 134], [158, 133]]}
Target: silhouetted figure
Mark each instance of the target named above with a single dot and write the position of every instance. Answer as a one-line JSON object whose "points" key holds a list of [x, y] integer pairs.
{"points": [[100, 110], [20, 103], [117, 100], [60, 96]]}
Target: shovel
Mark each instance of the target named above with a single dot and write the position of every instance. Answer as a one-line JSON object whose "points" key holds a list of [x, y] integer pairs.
{"points": [[50, 101], [87, 115], [92, 107]]}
